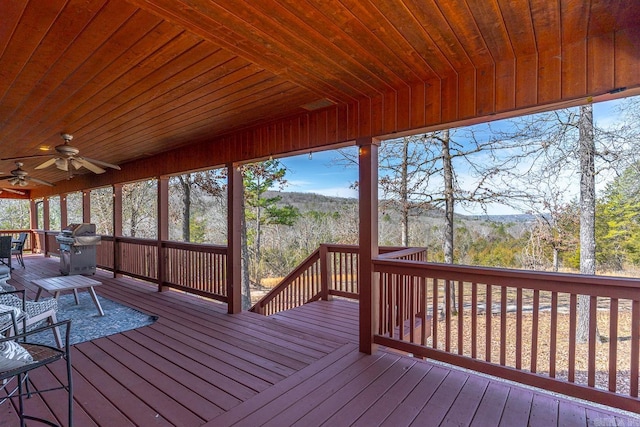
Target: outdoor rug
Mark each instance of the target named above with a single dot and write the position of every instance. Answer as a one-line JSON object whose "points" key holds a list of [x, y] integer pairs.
{"points": [[87, 324]]}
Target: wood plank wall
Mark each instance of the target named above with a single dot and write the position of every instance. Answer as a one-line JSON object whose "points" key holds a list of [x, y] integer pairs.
{"points": [[568, 73]]}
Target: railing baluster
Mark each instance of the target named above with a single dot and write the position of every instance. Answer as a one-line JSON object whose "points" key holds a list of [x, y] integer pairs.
{"points": [[635, 347], [573, 310], [613, 343], [412, 307], [503, 325], [488, 315], [434, 311], [519, 310], [393, 306], [474, 320], [553, 339], [460, 317], [593, 307], [447, 315], [423, 311], [534, 330]]}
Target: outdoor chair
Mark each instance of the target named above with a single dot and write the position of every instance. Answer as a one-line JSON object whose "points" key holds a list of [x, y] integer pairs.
{"points": [[19, 357], [18, 247], [31, 313], [5, 274], [5, 250]]}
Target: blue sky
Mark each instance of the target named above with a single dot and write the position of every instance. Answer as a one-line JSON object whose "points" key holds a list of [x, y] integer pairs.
{"points": [[321, 174]]}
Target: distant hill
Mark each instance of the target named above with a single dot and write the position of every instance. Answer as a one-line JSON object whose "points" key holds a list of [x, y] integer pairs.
{"points": [[316, 202]]}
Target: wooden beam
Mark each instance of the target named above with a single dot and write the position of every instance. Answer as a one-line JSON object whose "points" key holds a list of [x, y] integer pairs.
{"points": [[368, 231], [117, 226], [234, 230], [163, 226], [64, 213]]}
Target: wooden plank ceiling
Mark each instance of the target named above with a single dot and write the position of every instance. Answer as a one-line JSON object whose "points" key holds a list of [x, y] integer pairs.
{"points": [[133, 79]]}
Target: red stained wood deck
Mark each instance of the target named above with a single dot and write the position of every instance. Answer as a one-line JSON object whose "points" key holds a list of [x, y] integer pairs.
{"points": [[199, 366]]}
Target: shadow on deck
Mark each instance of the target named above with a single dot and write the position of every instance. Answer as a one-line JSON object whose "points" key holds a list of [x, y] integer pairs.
{"points": [[199, 366]]}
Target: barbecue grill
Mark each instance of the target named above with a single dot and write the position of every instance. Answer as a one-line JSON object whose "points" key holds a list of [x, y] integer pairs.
{"points": [[78, 249]]}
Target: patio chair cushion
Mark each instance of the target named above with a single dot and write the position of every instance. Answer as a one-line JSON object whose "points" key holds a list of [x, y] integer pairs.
{"points": [[33, 308], [13, 355], [5, 274], [6, 320], [8, 308]]}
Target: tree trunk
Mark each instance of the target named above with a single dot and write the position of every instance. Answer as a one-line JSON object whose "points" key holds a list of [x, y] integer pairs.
{"points": [[556, 261], [404, 193], [449, 196], [258, 248], [586, 152], [244, 259], [186, 207]]}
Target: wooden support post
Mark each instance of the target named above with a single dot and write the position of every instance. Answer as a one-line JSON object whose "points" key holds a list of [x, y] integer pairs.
{"points": [[324, 273], [368, 214], [235, 194], [46, 225], [36, 246], [86, 206], [64, 213], [117, 227], [163, 228]]}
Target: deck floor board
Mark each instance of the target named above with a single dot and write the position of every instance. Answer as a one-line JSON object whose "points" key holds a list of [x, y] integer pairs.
{"points": [[199, 366]]}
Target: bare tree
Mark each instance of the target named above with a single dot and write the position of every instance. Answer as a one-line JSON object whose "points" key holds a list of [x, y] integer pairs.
{"points": [[139, 209], [587, 155], [555, 147]]}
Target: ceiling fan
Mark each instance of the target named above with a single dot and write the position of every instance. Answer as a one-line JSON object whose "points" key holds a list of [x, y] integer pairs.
{"points": [[20, 177], [67, 158]]}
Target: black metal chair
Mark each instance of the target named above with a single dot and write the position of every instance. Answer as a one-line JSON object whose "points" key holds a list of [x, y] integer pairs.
{"points": [[6, 247], [18, 248], [40, 355]]}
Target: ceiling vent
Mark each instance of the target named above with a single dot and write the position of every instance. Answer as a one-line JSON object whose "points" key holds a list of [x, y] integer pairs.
{"points": [[319, 104]]}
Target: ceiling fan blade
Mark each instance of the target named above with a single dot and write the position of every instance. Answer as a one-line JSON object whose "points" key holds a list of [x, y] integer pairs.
{"points": [[35, 156], [39, 181], [46, 164], [87, 164], [22, 193], [101, 163], [2, 178]]}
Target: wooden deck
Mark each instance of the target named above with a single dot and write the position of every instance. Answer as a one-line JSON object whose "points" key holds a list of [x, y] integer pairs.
{"points": [[199, 366]]}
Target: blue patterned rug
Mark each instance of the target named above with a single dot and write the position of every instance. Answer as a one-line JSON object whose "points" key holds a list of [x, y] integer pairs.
{"points": [[87, 324]]}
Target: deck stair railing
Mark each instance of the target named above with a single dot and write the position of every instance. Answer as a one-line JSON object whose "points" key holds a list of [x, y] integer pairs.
{"points": [[331, 270]]}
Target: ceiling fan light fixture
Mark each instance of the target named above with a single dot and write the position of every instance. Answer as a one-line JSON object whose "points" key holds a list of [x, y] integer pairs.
{"points": [[75, 163], [62, 164]]}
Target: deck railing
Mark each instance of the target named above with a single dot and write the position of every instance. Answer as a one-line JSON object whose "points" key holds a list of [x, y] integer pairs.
{"points": [[331, 270], [195, 268], [30, 243], [520, 325]]}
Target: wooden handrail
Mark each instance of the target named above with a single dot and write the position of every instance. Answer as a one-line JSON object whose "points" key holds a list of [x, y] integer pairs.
{"points": [[336, 276], [286, 283], [489, 333]]}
